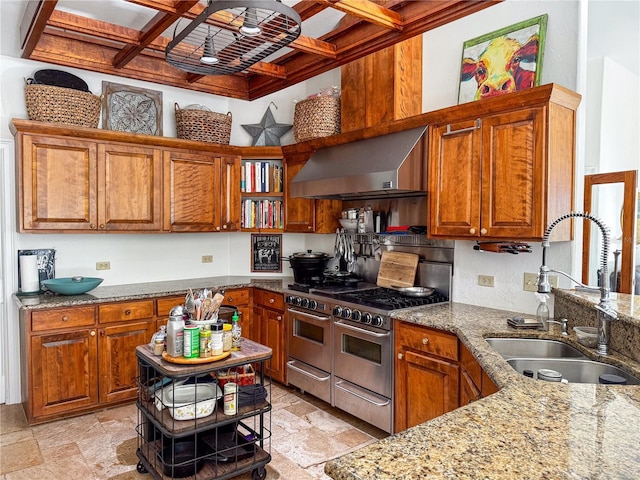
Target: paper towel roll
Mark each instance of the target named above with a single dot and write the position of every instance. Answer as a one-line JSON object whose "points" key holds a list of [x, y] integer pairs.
{"points": [[29, 276]]}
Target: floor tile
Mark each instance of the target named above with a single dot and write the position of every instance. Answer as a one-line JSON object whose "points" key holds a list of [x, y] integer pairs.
{"points": [[102, 445]]}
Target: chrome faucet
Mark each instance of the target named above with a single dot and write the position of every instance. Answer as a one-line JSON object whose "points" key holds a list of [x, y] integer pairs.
{"points": [[605, 312]]}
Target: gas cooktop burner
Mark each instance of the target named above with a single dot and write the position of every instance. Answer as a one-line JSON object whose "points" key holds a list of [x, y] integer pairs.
{"points": [[328, 281], [388, 299]]}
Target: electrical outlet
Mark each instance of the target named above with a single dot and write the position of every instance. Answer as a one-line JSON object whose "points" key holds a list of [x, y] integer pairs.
{"points": [[530, 283], [103, 265], [207, 258], [486, 280]]}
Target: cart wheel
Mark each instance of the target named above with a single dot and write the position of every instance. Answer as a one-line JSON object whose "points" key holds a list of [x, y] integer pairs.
{"points": [[259, 473], [141, 468]]}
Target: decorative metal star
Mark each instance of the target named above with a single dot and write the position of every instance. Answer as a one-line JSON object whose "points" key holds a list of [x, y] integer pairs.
{"points": [[267, 132]]}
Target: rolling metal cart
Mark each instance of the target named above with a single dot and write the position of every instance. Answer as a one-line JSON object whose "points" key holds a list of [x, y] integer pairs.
{"points": [[183, 431]]}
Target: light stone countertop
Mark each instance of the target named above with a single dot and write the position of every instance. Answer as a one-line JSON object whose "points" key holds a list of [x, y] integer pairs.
{"points": [[140, 291], [528, 430]]}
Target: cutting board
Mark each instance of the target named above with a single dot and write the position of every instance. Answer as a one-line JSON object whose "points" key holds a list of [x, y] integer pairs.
{"points": [[397, 269]]}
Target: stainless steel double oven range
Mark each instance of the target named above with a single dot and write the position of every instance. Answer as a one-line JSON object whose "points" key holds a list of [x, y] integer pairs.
{"points": [[341, 344]]}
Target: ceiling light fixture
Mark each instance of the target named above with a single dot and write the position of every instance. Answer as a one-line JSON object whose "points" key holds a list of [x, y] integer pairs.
{"points": [[245, 32], [250, 26], [209, 54]]}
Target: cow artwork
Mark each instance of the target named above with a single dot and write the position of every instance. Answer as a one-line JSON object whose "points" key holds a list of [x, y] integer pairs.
{"points": [[502, 62]]}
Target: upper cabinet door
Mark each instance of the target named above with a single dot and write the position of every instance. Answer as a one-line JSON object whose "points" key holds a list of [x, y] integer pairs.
{"points": [[454, 179], [513, 172], [230, 193], [59, 186], [300, 213], [129, 188], [191, 192]]}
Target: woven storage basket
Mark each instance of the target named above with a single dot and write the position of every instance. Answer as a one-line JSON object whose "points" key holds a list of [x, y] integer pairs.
{"points": [[203, 125], [46, 103], [316, 117]]}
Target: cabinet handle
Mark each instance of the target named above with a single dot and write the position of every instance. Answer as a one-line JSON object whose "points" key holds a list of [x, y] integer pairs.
{"points": [[272, 300], [224, 227], [228, 299], [425, 341], [462, 130], [93, 333], [218, 229], [65, 318], [127, 312], [102, 226], [472, 231], [483, 231], [309, 227], [279, 317], [92, 226], [400, 356]]}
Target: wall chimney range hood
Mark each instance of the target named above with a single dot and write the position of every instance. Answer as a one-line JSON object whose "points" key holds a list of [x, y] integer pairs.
{"points": [[390, 165]]}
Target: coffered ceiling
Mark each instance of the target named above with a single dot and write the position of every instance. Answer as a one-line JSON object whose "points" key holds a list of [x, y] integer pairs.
{"points": [[128, 38]]}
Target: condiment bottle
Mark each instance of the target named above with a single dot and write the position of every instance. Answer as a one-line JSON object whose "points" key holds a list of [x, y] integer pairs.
{"points": [[159, 339], [175, 332], [236, 332], [205, 343], [226, 337], [216, 339]]}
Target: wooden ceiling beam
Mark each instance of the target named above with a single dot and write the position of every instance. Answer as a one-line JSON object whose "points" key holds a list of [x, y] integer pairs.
{"points": [[33, 23], [152, 30], [73, 52], [369, 11]]}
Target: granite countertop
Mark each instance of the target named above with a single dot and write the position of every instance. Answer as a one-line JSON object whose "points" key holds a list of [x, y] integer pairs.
{"points": [[529, 429], [139, 291]]}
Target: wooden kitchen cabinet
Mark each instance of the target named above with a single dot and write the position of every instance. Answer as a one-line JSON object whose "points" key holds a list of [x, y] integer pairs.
{"points": [[268, 311], [201, 192], [121, 328], [78, 359], [426, 374], [83, 185], [306, 215], [241, 299], [502, 176]]}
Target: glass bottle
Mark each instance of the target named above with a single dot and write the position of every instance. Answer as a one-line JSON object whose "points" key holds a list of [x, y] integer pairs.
{"points": [[542, 313], [236, 332]]}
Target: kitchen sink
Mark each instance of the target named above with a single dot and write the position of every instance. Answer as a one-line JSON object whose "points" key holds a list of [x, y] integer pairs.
{"points": [[574, 370], [533, 348]]}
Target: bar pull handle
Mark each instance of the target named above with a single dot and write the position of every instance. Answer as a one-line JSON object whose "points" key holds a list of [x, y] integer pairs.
{"points": [[462, 130]]}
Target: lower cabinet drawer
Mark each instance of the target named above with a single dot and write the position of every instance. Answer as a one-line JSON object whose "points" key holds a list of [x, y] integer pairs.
{"points": [[63, 318], [235, 297], [164, 305], [427, 340], [119, 312]]}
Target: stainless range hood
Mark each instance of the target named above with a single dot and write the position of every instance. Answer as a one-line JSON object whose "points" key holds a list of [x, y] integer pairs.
{"points": [[379, 167]]}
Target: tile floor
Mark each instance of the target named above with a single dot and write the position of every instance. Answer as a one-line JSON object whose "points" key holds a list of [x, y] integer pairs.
{"points": [[102, 445]]}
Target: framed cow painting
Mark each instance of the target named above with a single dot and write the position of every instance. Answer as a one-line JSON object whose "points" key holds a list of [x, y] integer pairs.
{"points": [[504, 61]]}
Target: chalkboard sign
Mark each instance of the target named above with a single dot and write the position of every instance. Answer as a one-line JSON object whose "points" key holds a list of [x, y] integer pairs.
{"points": [[266, 253]]}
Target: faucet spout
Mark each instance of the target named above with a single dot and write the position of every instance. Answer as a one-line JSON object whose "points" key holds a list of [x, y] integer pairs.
{"points": [[605, 312]]}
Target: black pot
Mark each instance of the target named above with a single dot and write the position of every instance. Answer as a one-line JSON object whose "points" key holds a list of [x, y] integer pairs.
{"points": [[182, 458], [308, 267]]}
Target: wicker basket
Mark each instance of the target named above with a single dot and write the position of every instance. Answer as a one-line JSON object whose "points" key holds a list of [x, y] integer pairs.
{"points": [[316, 117], [46, 103], [203, 125]]}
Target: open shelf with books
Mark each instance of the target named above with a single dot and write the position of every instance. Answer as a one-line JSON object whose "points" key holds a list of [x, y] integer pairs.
{"points": [[262, 192]]}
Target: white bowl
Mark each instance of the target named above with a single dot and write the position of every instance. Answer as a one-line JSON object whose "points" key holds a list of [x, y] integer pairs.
{"points": [[349, 224], [186, 402]]}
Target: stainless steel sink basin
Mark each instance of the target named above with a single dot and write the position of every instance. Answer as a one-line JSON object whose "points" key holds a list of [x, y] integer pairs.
{"points": [[533, 348], [574, 370]]}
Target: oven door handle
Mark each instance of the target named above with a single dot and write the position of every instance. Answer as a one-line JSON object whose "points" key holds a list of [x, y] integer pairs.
{"points": [[291, 365], [305, 314], [362, 330], [339, 386]]}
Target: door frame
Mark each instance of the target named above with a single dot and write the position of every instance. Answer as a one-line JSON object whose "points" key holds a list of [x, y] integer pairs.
{"points": [[9, 331]]}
